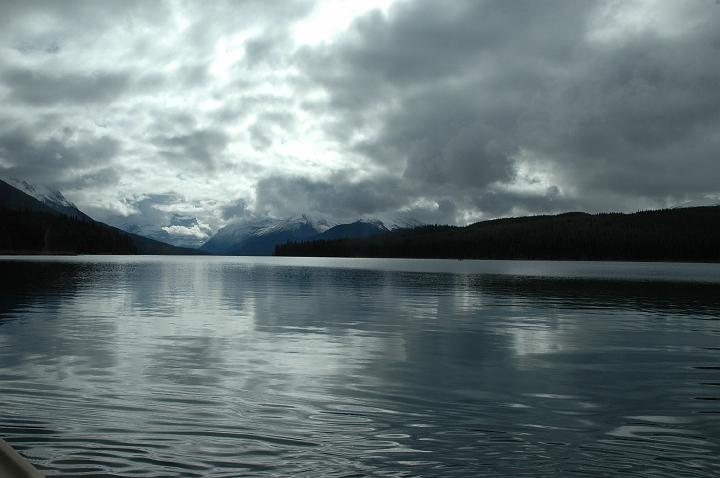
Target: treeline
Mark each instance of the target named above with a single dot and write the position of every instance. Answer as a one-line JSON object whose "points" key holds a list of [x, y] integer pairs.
{"points": [[688, 234], [32, 231]]}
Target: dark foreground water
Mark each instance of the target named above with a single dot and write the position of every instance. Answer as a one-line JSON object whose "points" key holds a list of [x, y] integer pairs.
{"points": [[161, 367]]}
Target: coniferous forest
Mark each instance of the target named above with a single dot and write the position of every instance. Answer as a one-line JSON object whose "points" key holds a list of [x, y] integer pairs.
{"points": [[28, 226], [23, 231], [686, 234]]}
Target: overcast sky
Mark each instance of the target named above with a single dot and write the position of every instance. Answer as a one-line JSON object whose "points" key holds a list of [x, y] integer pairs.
{"points": [[446, 111]]}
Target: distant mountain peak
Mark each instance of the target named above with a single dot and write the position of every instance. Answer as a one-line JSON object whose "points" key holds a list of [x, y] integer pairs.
{"points": [[373, 221], [293, 223], [360, 228], [49, 197], [407, 223], [184, 220], [39, 221], [180, 231], [259, 236], [41, 193], [705, 202]]}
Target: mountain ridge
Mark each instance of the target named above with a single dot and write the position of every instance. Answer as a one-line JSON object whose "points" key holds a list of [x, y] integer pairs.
{"points": [[685, 234], [260, 236], [30, 225], [50, 197]]}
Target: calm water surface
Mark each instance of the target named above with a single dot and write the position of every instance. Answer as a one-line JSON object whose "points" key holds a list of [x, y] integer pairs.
{"points": [[225, 367]]}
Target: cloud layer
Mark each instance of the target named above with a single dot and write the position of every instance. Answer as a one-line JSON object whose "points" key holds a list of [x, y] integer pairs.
{"points": [[149, 111]]}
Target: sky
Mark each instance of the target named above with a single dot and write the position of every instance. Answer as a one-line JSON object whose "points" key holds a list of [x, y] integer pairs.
{"points": [[190, 115]]}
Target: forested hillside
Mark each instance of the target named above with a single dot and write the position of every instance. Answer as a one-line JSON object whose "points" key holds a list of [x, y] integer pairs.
{"points": [[28, 226], [25, 231], [688, 234]]}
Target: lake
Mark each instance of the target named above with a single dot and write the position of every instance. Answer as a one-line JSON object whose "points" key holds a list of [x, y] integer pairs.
{"points": [[226, 367]]}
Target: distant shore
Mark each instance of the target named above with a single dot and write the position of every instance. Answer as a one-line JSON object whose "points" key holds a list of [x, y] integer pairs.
{"points": [[667, 235]]}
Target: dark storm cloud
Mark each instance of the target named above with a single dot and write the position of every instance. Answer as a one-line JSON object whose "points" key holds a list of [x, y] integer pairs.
{"points": [[202, 146], [237, 209], [502, 203], [87, 13], [260, 136], [265, 49], [393, 199], [271, 125], [444, 111], [100, 177], [459, 90], [41, 88], [339, 197], [36, 28], [146, 209], [639, 119], [424, 42], [63, 160], [444, 211]]}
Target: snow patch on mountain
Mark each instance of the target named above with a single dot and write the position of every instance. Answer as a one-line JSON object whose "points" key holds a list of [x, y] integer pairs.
{"points": [[406, 223], [374, 222], [259, 236], [187, 226], [50, 197], [42, 193], [708, 201], [182, 231], [293, 224]]}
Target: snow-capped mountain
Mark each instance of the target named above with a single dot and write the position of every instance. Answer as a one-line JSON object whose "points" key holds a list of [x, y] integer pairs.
{"points": [[52, 198], [360, 228], [706, 202], [39, 233], [181, 231], [258, 237], [297, 223], [233, 235], [406, 222], [146, 230]]}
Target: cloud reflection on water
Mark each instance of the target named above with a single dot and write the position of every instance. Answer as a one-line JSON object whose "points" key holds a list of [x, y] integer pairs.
{"points": [[193, 366]]}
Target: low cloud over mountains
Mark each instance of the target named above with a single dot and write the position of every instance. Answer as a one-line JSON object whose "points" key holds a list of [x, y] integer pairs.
{"points": [[144, 112]]}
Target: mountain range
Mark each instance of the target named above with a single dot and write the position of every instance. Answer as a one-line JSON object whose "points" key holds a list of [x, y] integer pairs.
{"points": [[259, 237], [168, 232], [680, 234], [38, 220], [35, 220], [30, 211], [50, 198]]}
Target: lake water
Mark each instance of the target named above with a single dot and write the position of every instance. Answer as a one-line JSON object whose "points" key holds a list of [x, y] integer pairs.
{"points": [[225, 367]]}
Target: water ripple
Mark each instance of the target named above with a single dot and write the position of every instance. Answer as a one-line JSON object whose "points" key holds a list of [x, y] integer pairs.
{"points": [[212, 367]]}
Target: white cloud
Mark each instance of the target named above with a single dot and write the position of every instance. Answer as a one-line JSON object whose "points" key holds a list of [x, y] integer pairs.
{"points": [[360, 107], [193, 231], [333, 17]]}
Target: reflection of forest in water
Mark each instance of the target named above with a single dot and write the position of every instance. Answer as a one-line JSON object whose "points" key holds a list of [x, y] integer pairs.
{"points": [[158, 286], [650, 296], [453, 371]]}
